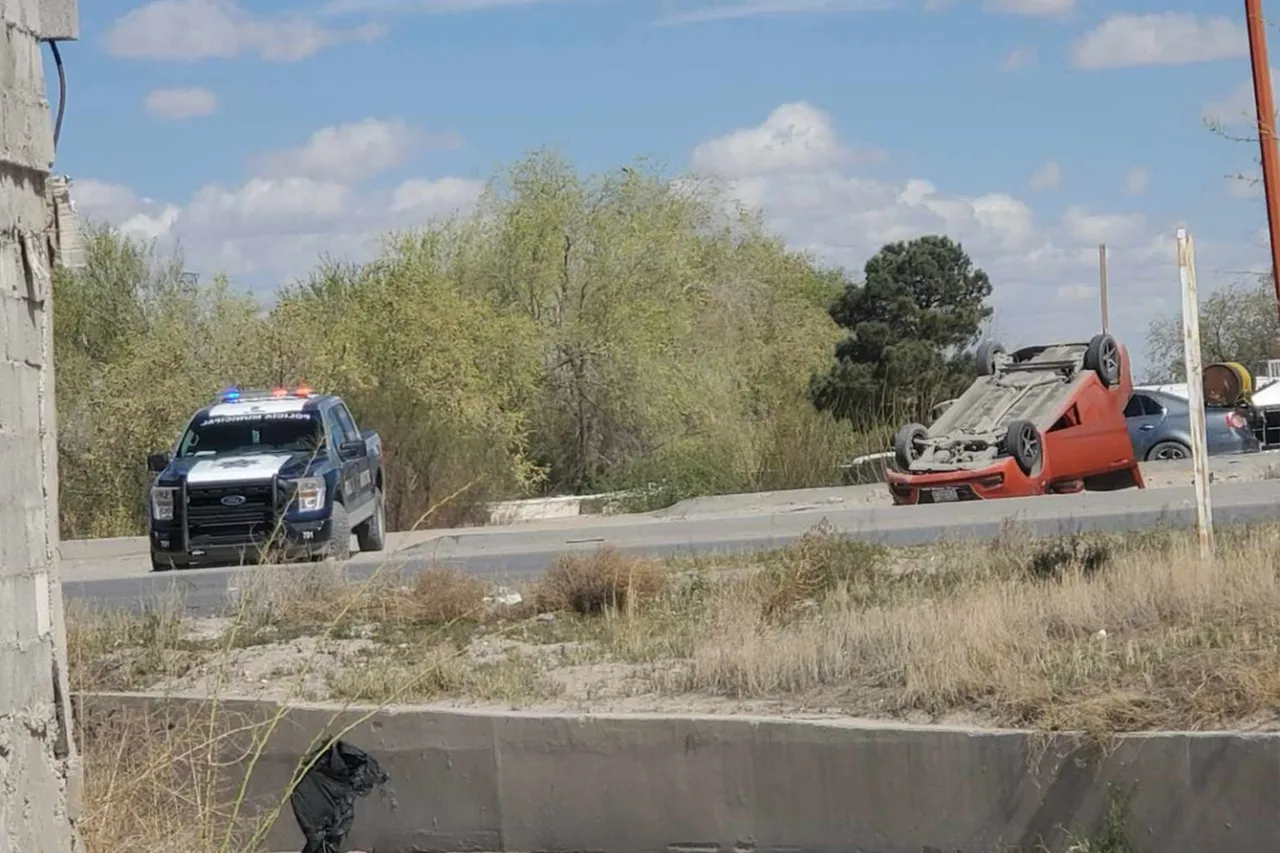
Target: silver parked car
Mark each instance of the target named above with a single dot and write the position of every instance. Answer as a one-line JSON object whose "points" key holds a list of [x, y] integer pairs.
{"points": [[1160, 427]]}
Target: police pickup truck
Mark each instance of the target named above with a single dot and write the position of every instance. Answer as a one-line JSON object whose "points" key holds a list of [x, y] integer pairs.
{"points": [[266, 476]]}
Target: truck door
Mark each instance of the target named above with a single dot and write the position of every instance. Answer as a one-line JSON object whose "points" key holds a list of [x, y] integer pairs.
{"points": [[362, 467]]}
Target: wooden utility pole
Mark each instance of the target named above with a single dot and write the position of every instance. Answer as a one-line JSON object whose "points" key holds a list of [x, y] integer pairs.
{"points": [[1266, 108], [1102, 286]]}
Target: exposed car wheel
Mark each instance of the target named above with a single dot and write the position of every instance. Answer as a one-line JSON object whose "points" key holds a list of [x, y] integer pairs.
{"points": [[1023, 443], [1103, 357], [1168, 450], [160, 564], [984, 360], [906, 445], [371, 534], [339, 544]]}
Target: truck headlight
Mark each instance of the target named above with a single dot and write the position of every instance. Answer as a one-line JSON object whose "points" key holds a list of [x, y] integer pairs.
{"points": [[310, 491], [162, 503]]}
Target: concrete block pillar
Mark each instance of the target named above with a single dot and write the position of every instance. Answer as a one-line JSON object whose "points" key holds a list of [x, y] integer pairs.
{"points": [[39, 771]]}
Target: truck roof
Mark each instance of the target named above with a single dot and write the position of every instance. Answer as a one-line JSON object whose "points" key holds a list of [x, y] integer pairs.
{"points": [[236, 403]]}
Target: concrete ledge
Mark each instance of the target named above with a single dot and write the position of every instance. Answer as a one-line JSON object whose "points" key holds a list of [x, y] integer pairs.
{"points": [[644, 783]]}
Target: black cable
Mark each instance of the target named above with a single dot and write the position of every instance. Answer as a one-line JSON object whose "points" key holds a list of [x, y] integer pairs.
{"points": [[62, 93]]}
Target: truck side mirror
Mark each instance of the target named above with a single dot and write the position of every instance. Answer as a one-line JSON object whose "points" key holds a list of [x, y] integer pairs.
{"points": [[353, 450], [157, 462]]}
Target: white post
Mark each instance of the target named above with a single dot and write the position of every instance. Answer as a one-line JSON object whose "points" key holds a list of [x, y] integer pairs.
{"points": [[1195, 390], [1102, 287]]}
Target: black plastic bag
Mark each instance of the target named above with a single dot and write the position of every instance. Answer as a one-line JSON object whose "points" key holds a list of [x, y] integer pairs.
{"points": [[324, 802]]}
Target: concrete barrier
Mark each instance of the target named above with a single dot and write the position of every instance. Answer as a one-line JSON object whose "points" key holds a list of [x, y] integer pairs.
{"points": [[517, 781]]}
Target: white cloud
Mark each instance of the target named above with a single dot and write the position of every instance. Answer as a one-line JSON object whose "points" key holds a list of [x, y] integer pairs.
{"points": [[1047, 177], [353, 151], [1109, 228], [1237, 107], [1033, 8], [432, 198], [1020, 57], [1135, 181], [275, 225], [796, 137], [179, 104], [190, 30], [430, 7], [1160, 38], [1040, 266], [756, 8]]}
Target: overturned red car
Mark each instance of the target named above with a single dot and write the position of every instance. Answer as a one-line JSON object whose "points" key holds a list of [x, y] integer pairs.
{"points": [[1040, 420]]}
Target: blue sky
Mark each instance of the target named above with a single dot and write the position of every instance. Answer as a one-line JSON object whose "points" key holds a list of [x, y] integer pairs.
{"points": [[973, 98]]}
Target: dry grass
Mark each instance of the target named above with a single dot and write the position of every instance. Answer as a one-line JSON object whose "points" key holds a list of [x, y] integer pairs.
{"points": [[605, 580], [1098, 633]]}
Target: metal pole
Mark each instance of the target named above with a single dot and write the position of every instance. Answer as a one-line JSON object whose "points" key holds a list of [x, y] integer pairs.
{"points": [[1266, 109], [1195, 390], [1102, 285]]}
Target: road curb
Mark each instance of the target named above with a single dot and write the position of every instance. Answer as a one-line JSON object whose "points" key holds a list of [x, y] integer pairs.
{"points": [[636, 783]]}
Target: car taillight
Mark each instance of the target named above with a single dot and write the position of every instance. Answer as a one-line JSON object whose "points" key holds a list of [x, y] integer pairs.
{"points": [[1235, 420]]}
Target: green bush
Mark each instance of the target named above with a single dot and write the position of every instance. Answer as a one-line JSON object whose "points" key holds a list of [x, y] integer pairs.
{"points": [[576, 333]]}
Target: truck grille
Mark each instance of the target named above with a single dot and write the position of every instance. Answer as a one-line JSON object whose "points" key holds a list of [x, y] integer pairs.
{"points": [[211, 522]]}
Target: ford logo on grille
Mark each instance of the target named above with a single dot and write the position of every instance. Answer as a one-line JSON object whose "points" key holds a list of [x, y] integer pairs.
{"points": [[233, 500]]}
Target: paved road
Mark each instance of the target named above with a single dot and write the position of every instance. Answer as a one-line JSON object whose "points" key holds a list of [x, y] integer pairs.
{"points": [[522, 550]]}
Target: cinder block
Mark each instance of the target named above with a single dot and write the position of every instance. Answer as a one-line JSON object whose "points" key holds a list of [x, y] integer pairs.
{"points": [[47, 19], [22, 332], [26, 675]]}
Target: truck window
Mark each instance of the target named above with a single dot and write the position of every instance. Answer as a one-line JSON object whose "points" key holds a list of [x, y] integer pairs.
{"points": [[252, 434], [336, 430], [346, 421]]}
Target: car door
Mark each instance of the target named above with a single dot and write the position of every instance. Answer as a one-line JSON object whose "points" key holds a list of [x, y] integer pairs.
{"points": [[1144, 416], [363, 465]]}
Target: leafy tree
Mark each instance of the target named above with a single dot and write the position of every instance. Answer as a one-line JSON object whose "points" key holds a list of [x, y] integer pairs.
{"points": [[922, 304], [1239, 322]]}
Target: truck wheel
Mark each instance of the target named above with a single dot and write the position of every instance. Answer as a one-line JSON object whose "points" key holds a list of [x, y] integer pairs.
{"points": [[1023, 443], [906, 445], [1103, 357], [339, 545], [371, 534], [984, 360]]}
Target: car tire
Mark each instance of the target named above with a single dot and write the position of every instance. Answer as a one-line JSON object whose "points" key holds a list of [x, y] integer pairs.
{"points": [[1022, 441], [1164, 451], [1103, 358], [371, 534], [904, 445], [339, 545], [984, 360]]}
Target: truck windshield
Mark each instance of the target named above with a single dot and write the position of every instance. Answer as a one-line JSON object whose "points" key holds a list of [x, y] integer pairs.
{"points": [[296, 433]]}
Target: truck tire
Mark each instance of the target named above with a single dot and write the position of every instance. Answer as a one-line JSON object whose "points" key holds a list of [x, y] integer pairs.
{"points": [[339, 545], [371, 534], [984, 360], [1023, 443], [1103, 357], [905, 449]]}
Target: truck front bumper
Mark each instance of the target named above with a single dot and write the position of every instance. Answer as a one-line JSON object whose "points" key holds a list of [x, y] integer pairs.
{"points": [[292, 540]]}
